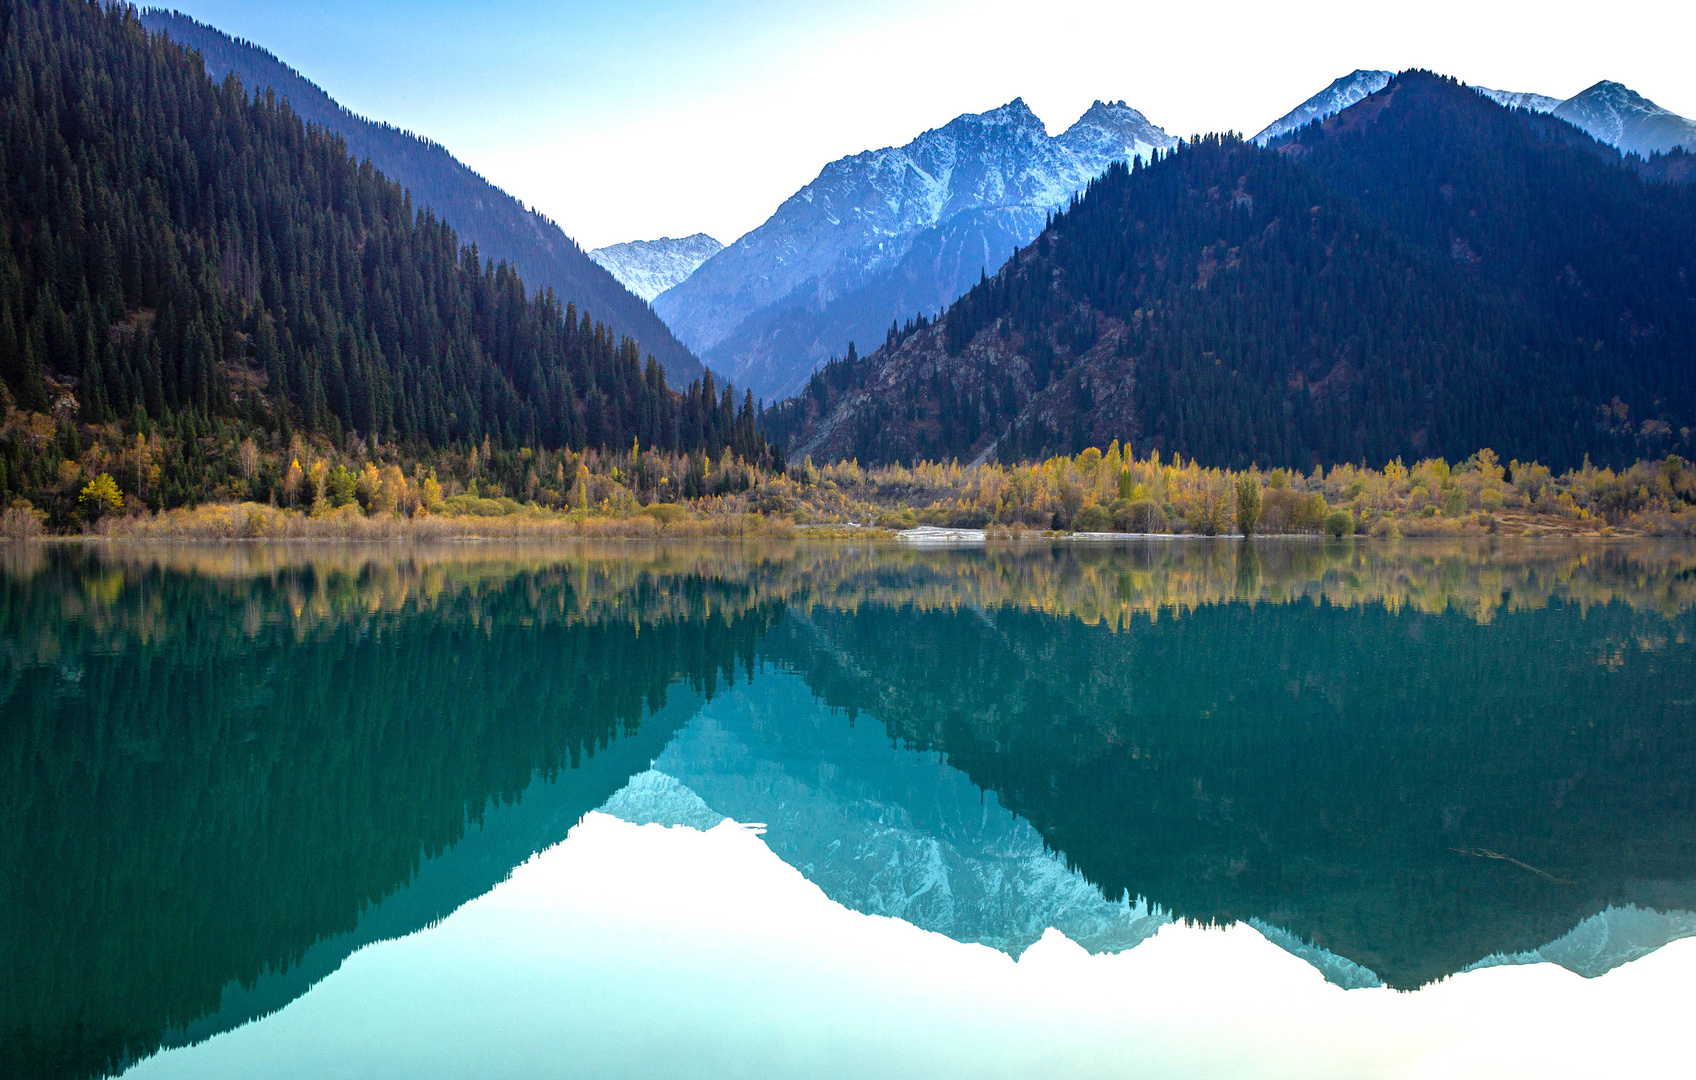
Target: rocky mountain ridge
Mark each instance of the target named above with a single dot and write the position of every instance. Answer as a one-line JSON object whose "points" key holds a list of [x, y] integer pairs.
{"points": [[1622, 118], [1608, 112], [1180, 285], [1342, 93], [650, 267], [886, 233]]}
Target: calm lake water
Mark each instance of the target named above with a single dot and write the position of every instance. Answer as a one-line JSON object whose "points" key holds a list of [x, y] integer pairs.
{"points": [[1182, 808]]}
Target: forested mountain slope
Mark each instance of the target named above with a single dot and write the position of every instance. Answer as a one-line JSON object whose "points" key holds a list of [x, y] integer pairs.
{"points": [[176, 254], [500, 226], [1423, 274]]}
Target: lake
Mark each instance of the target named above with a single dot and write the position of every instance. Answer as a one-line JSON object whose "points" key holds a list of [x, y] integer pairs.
{"points": [[733, 809]]}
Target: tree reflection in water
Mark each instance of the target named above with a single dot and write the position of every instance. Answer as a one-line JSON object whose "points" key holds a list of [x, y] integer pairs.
{"points": [[216, 757]]}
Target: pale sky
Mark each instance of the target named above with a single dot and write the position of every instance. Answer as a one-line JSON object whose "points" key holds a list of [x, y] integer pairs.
{"points": [[651, 118]]}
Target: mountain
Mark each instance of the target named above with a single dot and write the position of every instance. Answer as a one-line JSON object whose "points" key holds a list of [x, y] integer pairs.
{"points": [[886, 829], [880, 828], [1608, 112], [886, 233], [500, 226], [1512, 99], [187, 260], [1161, 762], [1613, 114], [1330, 101], [1622, 118], [1423, 274], [650, 267]]}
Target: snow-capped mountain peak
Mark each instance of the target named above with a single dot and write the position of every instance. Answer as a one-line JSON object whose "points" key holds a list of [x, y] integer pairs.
{"points": [[1621, 117], [988, 180], [650, 267], [1351, 88], [1112, 130], [1609, 112]]}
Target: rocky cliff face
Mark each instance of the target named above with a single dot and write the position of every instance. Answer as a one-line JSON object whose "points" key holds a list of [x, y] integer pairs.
{"points": [[885, 234]]}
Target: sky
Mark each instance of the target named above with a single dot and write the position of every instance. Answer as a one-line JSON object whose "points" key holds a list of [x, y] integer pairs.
{"points": [[649, 118]]}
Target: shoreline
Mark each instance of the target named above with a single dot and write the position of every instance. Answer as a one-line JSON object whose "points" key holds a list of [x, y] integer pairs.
{"points": [[831, 534]]}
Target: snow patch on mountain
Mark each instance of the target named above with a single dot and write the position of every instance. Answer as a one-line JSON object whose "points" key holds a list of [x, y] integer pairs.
{"points": [[890, 831], [1608, 112], [650, 267], [881, 830], [1511, 99], [1625, 119], [1604, 941], [1356, 86], [862, 215]]}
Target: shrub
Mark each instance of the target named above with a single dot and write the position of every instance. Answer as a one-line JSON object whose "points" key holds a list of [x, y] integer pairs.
{"points": [[665, 513], [1287, 510], [1093, 518], [21, 521], [475, 506], [1339, 523], [1139, 516]]}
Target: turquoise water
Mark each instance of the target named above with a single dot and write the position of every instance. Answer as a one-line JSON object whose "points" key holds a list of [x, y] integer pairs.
{"points": [[777, 809]]}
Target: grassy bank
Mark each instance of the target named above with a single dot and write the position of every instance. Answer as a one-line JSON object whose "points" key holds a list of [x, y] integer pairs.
{"points": [[300, 489], [252, 521]]}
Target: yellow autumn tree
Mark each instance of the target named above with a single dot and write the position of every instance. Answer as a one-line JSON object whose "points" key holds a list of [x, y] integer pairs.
{"points": [[394, 494], [294, 483], [429, 493], [101, 496], [368, 486], [317, 478]]}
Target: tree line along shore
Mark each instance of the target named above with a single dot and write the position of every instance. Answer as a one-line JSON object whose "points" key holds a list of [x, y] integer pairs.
{"points": [[93, 480]]}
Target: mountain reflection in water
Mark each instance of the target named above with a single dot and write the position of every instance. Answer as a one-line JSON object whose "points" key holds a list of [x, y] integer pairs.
{"points": [[228, 768]]}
